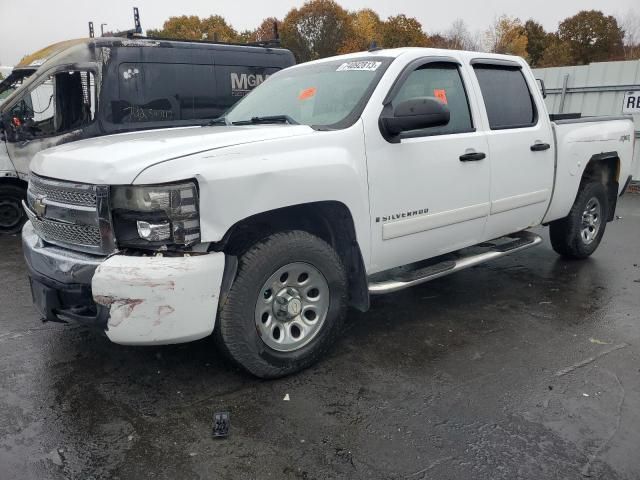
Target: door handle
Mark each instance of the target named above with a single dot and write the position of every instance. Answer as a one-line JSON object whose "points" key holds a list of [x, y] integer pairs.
{"points": [[540, 147], [472, 157]]}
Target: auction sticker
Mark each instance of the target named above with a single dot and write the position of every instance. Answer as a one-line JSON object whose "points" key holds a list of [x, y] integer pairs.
{"points": [[307, 93], [361, 66], [441, 94]]}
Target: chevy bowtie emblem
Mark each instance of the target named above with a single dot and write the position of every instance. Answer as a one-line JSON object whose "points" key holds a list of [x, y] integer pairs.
{"points": [[39, 207]]}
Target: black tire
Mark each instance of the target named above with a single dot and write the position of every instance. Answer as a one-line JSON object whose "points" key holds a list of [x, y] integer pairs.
{"points": [[566, 234], [12, 215], [236, 332]]}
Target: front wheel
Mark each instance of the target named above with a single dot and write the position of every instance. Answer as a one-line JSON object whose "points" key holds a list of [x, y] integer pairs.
{"points": [[579, 234], [285, 307], [12, 216]]}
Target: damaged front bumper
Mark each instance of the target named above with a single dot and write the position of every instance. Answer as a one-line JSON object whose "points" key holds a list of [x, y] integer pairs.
{"points": [[136, 300]]}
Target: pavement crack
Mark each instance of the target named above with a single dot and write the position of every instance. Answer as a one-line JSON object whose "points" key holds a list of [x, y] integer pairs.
{"points": [[433, 464], [587, 467], [587, 361]]}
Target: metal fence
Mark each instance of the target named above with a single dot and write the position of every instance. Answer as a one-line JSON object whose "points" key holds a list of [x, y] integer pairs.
{"points": [[596, 89]]}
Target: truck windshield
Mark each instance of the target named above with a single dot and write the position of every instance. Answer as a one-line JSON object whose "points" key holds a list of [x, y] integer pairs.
{"points": [[323, 95]]}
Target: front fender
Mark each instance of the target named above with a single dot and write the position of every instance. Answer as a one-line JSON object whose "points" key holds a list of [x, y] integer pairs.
{"points": [[239, 182]]}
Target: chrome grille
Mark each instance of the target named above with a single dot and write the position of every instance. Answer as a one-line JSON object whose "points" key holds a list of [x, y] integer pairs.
{"points": [[61, 193], [72, 215], [56, 232]]}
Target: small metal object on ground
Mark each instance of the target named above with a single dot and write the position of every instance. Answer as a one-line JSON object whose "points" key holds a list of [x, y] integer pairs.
{"points": [[221, 424]]}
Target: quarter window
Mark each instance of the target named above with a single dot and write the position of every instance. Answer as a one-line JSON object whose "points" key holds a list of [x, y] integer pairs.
{"points": [[442, 81], [506, 96]]}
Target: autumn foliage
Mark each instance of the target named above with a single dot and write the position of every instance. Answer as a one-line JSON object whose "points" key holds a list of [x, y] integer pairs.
{"points": [[321, 28]]}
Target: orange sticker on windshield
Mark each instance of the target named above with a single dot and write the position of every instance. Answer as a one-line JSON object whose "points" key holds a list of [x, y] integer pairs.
{"points": [[307, 93], [441, 94]]}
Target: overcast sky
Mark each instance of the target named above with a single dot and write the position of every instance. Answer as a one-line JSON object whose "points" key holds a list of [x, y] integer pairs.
{"points": [[28, 25]]}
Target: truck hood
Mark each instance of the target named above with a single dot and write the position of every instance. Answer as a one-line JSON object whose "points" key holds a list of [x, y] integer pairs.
{"points": [[119, 159]]}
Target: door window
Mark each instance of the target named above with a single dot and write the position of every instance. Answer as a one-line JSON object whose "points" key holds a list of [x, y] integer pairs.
{"points": [[506, 96], [61, 103], [442, 81]]}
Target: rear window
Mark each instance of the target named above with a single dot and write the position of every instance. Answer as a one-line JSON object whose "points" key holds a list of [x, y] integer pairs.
{"points": [[506, 96]]}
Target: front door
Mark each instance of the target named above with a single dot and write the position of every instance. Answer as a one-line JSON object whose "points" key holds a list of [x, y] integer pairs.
{"points": [[54, 111], [429, 189]]}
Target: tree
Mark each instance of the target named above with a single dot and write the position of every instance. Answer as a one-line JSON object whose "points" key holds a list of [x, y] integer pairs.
{"points": [[458, 37], [365, 28], [592, 37], [557, 53], [537, 41], [317, 29], [630, 25], [192, 27], [403, 31], [507, 35], [266, 30], [183, 27], [216, 28], [438, 40]]}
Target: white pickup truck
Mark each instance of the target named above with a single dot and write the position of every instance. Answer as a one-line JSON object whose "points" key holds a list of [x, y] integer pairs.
{"points": [[333, 181]]}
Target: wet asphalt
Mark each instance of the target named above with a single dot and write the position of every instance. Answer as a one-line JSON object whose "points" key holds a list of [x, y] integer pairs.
{"points": [[524, 368]]}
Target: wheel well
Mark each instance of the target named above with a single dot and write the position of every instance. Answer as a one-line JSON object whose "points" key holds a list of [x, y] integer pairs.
{"points": [[13, 181], [605, 168], [330, 220]]}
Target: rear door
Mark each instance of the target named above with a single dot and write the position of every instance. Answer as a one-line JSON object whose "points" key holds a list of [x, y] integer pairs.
{"points": [[520, 146], [428, 189]]}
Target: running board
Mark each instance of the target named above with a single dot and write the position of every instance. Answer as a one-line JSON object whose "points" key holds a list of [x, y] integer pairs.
{"points": [[492, 250]]}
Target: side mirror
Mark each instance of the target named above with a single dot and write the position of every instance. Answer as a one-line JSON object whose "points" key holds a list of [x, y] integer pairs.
{"points": [[543, 89], [415, 114]]}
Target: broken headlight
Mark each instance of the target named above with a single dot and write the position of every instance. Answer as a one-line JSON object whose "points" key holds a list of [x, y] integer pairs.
{"points": [[156, 216]]}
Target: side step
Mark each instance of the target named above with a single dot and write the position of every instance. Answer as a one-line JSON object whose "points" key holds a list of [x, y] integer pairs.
{"points": [[463, 259]]}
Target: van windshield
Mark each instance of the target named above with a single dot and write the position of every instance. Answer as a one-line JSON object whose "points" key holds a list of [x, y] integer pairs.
{"points": [[328, 94], [13, 82]]}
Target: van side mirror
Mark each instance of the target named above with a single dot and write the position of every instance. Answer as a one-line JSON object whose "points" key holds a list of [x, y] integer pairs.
{"points": [[416, 114], [543, 89]]}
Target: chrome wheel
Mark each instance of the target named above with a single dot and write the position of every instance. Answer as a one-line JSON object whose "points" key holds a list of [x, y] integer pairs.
{"points": [[292, 307], [591, 221]]}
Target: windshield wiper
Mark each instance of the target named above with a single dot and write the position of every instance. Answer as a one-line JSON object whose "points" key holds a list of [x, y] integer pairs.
{"points": [[267, 119], [218, 121]]}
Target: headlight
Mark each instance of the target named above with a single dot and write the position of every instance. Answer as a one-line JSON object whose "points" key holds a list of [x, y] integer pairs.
{"points": [[156, 215]]}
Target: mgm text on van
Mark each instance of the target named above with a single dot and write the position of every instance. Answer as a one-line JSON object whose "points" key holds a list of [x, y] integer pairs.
{"points": [[243, 83]]}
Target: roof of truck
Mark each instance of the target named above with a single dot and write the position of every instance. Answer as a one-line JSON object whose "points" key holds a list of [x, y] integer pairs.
{"points": [[422, 51]]}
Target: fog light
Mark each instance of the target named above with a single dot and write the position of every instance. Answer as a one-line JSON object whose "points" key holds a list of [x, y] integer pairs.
{"points": [[154, 232]]}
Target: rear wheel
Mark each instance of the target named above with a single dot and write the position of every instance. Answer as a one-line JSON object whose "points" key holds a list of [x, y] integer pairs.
{"points": [[579, 234], [286, 305], [12, 215]]}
